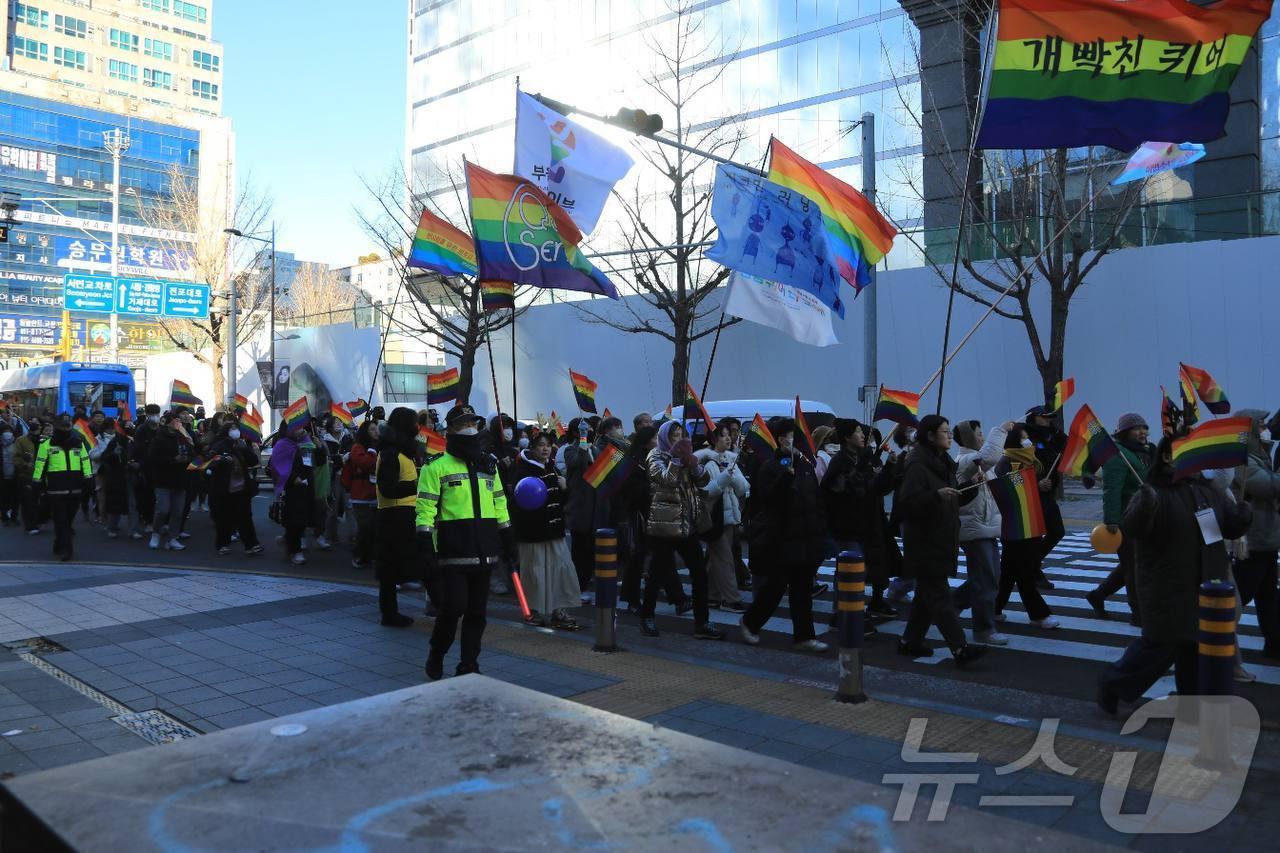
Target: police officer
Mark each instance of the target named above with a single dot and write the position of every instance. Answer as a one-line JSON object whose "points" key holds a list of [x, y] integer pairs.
{"points": [[464, 532], [62, 471]]}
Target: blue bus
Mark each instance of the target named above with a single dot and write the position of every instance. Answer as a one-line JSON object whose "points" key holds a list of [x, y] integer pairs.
{"points": [[61, 387]]}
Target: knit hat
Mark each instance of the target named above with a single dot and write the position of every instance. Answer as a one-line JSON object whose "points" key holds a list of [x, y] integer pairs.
{"points": [[1131, 420]]}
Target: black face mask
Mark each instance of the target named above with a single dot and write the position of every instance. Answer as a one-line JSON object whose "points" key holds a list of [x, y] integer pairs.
{"points": [[468, 448]]}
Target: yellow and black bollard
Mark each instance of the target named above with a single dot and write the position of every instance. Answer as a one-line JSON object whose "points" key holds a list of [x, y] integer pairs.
{"points": [[851, 583], [1215, 678], [606, 596]]}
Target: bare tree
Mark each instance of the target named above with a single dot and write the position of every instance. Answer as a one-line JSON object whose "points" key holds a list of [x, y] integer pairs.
{"points": [[318, 296], [216, 260]]}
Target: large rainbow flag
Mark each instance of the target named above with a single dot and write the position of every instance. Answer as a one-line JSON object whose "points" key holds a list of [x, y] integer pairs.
{"points": [[1062, 392], [1210, 392], [82, 429], [442, 387], [239, 404], [343, 416], [901, 407], [1071, 73], [1018, 497], [180, 397], [1088, 445], [442, 248], [609, 471], [858, 235], [359, 407], [251, 426], [1221, 443], [524, 237]]}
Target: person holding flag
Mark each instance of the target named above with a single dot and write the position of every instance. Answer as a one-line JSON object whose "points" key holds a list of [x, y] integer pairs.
{"points": [[232, 483], [1020, 558], [1258, 484], [1122, 476], [168, 455], [1050, 443]]}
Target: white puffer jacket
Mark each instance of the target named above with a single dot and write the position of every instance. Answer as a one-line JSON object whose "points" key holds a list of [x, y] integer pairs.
{"points": [[980, 517], [727, 480]]}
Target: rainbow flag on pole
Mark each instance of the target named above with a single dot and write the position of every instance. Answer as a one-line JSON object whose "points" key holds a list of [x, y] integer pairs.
{"points": [[359, 407], [1168, 412], [1062, 392], [557, 426], [442, 248], [901, 407], [609, 471], [693, 406], [1071, 73], [1210, 392], [584, 391], [1018, 497], [497, 295], [82, 428], [759, 438], [1187, 391], [343, 416], [859, 237], [1221, 443], [804, 438], [240, 404], [251, 426], [1088, 445], [442, 387], [434, 441], [198, 466], [180, 397], [297, 415]]}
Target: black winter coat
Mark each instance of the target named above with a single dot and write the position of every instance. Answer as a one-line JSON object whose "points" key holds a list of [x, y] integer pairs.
{"points": [[168, 471], [930, 522], [538, 525], [787, 526], [113, 467], [853, 496], [218, 475]]}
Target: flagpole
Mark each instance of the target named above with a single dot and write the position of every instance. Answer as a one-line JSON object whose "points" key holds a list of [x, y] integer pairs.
{"points": [[515, 408]]}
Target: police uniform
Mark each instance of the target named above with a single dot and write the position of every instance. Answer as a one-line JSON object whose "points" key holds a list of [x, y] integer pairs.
{"points": [[464, 531], [65, 475]]}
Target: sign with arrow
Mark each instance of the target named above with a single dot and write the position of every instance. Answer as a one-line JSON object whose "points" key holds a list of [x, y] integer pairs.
{"points": [[139, 297], [91, 293]]}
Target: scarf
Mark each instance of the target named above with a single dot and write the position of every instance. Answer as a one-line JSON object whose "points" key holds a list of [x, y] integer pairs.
{"points": [[470, 449], [1022, 457]]}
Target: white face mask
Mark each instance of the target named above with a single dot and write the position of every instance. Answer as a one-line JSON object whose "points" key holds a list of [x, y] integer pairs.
{"points": [[523, 442], [153, 419], [233, 434], [1026, 442], [1266, 435], [833, 449], [507, 435], [468, 431]]}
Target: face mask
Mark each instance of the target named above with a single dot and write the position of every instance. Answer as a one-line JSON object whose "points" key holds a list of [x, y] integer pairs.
{"points": [[507, 435], [831, 448], [153, 419], [468, 431], [1266, 435], [523, 442], [233, 434], [1026, 442], [911, 435]]}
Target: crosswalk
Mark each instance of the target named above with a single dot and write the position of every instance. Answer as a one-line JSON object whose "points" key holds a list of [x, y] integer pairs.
{"points": [[1075, 569]]}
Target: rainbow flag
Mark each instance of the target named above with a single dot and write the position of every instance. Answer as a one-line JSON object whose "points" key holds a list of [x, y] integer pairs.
{"points": [[123, 412], [606, 413], [297, 415], [610, 469], [434, 441], [442, 248], [1071, 73], [1062, 392], [442, 387], [1088, 445], [180, 397], [1018, 497], [1168, 412], [858, 236], [557, 426], [240, 404], [1187, 391], [343, 416], [759, 438], [251, 427], [1210, 392], [201, 466], [497, 295], [693, 406], [359, 407], [82, 428], [901, 407], [1221, 443], [804, 438], [524, 237], [584, 390]]}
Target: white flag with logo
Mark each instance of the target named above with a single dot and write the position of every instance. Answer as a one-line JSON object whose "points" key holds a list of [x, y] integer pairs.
{"points": [[574, 165], [788, 309]]}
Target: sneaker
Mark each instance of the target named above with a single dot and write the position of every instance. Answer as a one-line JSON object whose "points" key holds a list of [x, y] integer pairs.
{"points": [[155, 541], [235, 537], [1094, 597], [734, 607], [561, 620], [968, 653], [751, 638], [812, 646], [397, 620], [684, 607], [991, 638], [648, 627], [111, 534], [135, 535], [359, 564], [148, 530], [224, 551], [1047, 623], [256, 549], [175, 545], [411, 585], [184, 535], [1243, 676], [707, 631], [323, 544], [298, 559], [435, 667], [880, 607], [35, 531], [914, 650]]}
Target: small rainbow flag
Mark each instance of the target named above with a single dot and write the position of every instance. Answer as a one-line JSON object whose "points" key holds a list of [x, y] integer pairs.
{"points": [[1211, 393], [1088, 445], [497, 295], [343, 416], [201, 466], [804, 438], [240, 404], [1018, 497], [440, 247], [359, 407], [82, 428], [693, 407], [760, 439], [1221, 443], [297, 415], [1062, 392], [607, 413], [442, 387], [123, 411], [251, 426], [610, 468], [434, 441], [584, 390], [901, 407], [1168, 412], [1187, 391], [180, 397]]}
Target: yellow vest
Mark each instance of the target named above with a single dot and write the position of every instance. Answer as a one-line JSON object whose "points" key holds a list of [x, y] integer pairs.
{"points": [[408, 473]]}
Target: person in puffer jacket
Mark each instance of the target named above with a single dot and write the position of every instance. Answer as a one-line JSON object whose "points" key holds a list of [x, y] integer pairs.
{"points": [[1258, 484], [980, 528], [727, 488]]}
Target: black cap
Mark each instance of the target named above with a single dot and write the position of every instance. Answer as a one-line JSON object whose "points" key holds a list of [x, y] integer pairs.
{"points": [[1038, 411], [462, 413]]}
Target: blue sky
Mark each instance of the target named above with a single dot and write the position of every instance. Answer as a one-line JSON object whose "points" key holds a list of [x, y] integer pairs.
{"points": [[316, 92]]}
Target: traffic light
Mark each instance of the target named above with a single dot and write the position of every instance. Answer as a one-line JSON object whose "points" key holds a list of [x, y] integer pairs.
{"points": [[638, 121]]}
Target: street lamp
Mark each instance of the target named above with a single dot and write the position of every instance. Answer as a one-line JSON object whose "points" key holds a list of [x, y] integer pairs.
{"points": [[271, 241]]}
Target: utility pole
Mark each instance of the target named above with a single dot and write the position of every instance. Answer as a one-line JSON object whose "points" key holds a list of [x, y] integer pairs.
{"points": [[116, 142], [870, 320]]}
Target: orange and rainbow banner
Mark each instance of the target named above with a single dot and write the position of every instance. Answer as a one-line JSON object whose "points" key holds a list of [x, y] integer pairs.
{"points": [[1209, 391], [1088, 445], [442, 387], [609, 471], [343, 416], [1062, 392], [901, 407], [181, 398], [694, 409], [584, 391], [759, 438], [1018, 497], [85, 432], [434, 441], [1221, 443]]}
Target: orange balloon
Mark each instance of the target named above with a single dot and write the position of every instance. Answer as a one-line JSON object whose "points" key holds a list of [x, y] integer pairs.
{"points": [[1104, 541]]}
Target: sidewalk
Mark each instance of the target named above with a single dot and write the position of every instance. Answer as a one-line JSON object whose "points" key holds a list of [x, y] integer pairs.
{"points": [[172, 654]]}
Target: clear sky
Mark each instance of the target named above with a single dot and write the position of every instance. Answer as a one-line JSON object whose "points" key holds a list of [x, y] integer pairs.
{"points": [[315, 90]]}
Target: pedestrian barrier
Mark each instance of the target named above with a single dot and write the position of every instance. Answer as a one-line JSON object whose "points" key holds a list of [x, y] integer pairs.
{"points": [[606, 591], [851, 583], [1216, 670]]}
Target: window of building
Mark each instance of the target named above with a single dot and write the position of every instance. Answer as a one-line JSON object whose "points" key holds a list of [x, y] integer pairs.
{"points": [[157, 48], [30, 48], [70, 26], [27, 14], [157, 79], [124, 40], [204, 89], [190, 11], [122, 70], [70, 58], [156, 5], [205, 60]]}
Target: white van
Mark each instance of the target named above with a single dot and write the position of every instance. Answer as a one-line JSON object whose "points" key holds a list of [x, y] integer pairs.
{"points": [[815, 414]]}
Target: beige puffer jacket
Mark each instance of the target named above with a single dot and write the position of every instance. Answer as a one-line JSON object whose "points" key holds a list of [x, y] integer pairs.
{"points": [[675, 500]]}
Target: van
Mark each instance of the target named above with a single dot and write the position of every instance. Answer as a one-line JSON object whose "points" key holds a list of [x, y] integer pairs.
{"points": [[815, 414]]}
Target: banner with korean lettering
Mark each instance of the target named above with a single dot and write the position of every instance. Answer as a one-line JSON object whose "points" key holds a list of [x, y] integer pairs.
{"points": [[1072, 73], [81, 253]]}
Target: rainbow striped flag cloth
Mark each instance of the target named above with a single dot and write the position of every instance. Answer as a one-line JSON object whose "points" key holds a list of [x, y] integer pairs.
{"points": [[584, 391], [859, 237], [524, 237], [434, 441], [440, 247], [1018, 497], [609, 471], [297, 415], [201, 466], [804, 438], [1088, 445], [1168, 412], [1071, 73], [359, 407], [180, 397], [1210, 392], [82, 428], [1187, 391], [497, 295], [240, 404], [693, 406], [1221, 443], [123, 412], [442, 387], [251, 426], [901, 407], [1062, 392], [759, 438], [343, 416]]}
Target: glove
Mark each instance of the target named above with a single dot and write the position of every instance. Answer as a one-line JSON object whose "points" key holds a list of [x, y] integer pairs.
{"points": [[1088, 481], [509, 551], [683, 450], [426, 548]]}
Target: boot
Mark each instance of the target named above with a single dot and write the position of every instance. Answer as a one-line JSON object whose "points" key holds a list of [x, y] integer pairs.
{"points": [[435, 666]]}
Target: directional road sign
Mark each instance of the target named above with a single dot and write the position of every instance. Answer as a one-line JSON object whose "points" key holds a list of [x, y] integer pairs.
{"points": [[140, 296], [187, 300], [93, 293]]}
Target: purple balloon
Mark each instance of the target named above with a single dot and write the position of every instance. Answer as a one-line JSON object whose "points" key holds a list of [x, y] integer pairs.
{"points": [[531, 494]]}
